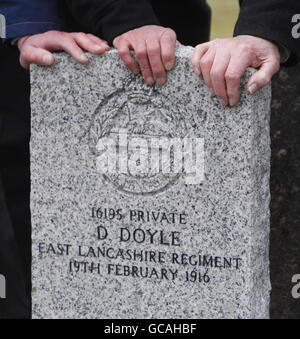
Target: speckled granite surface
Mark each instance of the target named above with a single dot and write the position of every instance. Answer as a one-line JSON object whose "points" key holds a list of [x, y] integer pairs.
{"points": [[285, 186], [195, 250]]}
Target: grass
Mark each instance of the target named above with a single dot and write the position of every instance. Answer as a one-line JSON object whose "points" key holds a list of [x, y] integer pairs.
{"points": [[225, 13]]}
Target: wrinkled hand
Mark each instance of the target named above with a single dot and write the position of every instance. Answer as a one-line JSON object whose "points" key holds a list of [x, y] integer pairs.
{"points": [[223, 62], [154, 47], [36, 49]]}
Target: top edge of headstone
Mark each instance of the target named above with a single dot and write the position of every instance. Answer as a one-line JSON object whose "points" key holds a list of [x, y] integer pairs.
{"points": [[182, 52]]}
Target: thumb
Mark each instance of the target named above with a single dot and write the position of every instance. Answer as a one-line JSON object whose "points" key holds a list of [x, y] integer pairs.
{"points": [[34, 55], [263, 76]]}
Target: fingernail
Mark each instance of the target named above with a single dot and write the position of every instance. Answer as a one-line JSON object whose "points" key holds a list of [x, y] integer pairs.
{"points": [[83, 58], [231, 102], [161, 81], [223, 102], [150, 81], [168, 66], [98, 48], [47, 59], [197, 70], [136, 71], [253, 89]]}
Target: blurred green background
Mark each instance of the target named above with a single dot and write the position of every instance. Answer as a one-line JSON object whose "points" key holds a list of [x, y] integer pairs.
{"points": [[224, 16]]}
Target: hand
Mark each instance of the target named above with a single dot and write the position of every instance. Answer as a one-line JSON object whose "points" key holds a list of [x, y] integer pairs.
{"points": [[223, 62], [35, 49], [154, 47]]}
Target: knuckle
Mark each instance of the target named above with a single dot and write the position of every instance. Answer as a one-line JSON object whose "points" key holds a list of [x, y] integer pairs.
{"points": [[153, 51], [120, 39], [131, 64], [141, 53], [116, 41], [123, 37], [264, 79], [80, 35], [169, 35], [59, 33], [216, 74], [204, 62], [169, 31], [127, 60], [232, 77], [51, 32], [276, 63], [245, 48], [122, 52], [145, 68], [62, 36], [198, 48]]}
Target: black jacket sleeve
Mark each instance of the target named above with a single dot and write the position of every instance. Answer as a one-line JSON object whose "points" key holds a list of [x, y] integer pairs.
{"points": [[272, 20], [111, 18]]}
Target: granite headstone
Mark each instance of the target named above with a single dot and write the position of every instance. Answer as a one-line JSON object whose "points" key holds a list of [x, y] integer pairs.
{"points": [[147, 202]]}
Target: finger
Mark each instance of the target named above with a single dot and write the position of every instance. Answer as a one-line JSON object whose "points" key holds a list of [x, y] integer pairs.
{"points": [[97, 40], [60, 41], [262, 77], [33, 55], [236, 69], [200, 50], [123, 47], [168, 43], [89, 45], [206, 63], [155, 60], [217, 75], [142, 56], [68, 44]]}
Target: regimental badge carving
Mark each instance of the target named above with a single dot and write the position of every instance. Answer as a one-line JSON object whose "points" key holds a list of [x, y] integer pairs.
{"points": [[133, 135]]}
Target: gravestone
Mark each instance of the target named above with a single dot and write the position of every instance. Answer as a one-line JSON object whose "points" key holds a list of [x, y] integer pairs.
{"points": [[147, 202]]}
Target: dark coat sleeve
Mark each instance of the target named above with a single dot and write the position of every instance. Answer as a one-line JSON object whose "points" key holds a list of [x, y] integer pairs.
{"points": [[25, 17], [111, 18], [272, 20]]}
